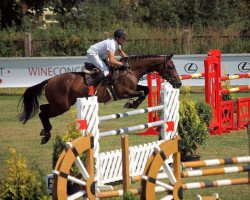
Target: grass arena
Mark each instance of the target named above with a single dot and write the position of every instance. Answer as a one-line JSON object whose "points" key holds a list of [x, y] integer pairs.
{"points": [[25, 139]]}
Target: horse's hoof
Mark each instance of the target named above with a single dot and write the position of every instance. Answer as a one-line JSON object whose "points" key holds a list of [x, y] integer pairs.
{"points": [[45, 138], [129, 104]]}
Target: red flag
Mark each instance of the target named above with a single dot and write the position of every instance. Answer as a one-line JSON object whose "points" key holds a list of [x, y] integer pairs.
{"points": [[83, 124], [170, 126], [91, 90]]}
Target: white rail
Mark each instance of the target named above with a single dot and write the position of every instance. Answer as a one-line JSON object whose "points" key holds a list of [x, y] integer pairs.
{"points": [[131, 128], [130, 113]]}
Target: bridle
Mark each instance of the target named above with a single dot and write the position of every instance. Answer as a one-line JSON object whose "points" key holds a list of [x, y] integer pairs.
{"points": [[169, 67]]}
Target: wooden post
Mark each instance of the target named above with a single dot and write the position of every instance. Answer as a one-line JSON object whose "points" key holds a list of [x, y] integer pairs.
{"points": [[90, 166], [125, 164], [177, 170], [27, 45], [186, 41]]}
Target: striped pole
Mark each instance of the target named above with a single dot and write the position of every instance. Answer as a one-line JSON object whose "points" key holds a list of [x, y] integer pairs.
{"points": [[218, 183], [139, 177], [237, 76], [215, 171], [134, 191], [236, 89], [130, 113], [131, 128], [216, 162], [189, 76]]}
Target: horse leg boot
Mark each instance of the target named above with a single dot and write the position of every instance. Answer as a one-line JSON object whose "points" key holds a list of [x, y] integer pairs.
{"points": [[45, 133], [143, 90], [97, 80]]}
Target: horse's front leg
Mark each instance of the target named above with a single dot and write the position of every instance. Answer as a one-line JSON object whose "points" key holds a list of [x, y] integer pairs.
{"points": [[141, 92]]}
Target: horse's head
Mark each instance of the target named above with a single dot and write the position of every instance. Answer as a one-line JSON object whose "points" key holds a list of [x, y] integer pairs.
{"points": [[168, 72]]}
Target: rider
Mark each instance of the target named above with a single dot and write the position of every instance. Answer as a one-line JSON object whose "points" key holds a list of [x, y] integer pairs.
{"points": [[105, 50]]}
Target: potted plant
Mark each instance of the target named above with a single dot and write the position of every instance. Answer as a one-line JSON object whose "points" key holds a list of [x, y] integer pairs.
{"points": [[193, 126]]}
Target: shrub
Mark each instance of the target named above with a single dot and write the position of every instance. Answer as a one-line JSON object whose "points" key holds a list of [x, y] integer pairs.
{"points": [[60, 142], [204, 112], [58, 147], [192, 126], [130, 196], [226, 85], [20, 182]]}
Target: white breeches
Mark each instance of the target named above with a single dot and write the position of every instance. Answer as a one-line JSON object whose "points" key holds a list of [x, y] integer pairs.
{"points": [[98, 62]]}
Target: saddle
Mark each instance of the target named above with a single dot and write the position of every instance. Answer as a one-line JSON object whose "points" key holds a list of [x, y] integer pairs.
{"points": [[90, 68], [92, 74], [91, 71]]}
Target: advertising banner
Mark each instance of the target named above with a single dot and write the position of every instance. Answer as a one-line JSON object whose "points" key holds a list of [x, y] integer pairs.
{"points": [[25, 72]]}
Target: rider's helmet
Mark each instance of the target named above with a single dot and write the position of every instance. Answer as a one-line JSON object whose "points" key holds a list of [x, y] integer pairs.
{"points": [[120, 33]]}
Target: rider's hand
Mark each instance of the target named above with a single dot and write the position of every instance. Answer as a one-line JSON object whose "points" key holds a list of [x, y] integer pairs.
{"points": [[125, 64]]}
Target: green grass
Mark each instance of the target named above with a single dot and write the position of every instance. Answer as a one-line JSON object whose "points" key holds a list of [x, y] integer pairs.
{"points": [[26, 139]]}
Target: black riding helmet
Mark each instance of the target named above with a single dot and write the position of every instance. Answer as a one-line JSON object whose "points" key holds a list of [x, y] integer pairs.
{"points": [[120, 33]]}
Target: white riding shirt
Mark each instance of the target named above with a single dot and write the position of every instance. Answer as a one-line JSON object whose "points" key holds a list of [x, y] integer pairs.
{"points": [[99, 51]]}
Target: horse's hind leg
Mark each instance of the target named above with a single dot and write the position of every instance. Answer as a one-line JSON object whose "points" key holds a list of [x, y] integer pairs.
{"points": [[48, 111], [44, 116]]}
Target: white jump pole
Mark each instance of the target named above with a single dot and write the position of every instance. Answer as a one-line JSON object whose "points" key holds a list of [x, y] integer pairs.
{"points": [[170, 101], [87, 109]]}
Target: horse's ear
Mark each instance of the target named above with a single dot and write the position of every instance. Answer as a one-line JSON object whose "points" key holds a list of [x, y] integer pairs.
{"points": [[171, 55]]}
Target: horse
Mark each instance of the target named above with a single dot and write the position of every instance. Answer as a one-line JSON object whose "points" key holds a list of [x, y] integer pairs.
{"points": [[61, 91]]}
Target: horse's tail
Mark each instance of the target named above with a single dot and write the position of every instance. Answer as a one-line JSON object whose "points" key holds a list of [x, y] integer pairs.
{"points": [[30, 102]]}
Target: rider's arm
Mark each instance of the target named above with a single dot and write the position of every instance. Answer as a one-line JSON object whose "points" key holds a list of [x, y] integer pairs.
{"points": [[112, 60], [121, 52]]}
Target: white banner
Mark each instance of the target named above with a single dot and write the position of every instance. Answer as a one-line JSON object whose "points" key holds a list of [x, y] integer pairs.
{"points": [[25, 72]]}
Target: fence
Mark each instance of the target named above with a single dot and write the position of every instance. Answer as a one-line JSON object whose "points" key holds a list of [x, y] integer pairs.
{"points": [[183, 44]]}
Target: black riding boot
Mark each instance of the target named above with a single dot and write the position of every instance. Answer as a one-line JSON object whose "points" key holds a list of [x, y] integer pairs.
{"points": [[98, 79]]}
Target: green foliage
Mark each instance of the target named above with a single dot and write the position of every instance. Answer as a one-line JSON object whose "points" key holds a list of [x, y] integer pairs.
{"points": [[193, 13], [130, 196], [204, 111], [94, 14], [82, 23], [226, 85], [20, 182], [60, 142], [58, 147], [192, 127], [73, 40]]}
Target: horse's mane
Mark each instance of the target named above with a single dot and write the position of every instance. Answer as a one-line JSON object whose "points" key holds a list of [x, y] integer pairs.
{"points": [[139, 57]]}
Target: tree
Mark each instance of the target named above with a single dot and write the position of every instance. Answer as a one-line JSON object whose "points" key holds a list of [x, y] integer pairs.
{"points": [[12, 11], [8, 13]]}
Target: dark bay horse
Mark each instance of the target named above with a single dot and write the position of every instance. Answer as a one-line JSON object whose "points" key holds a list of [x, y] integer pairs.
{"points": [[62, 90]]}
